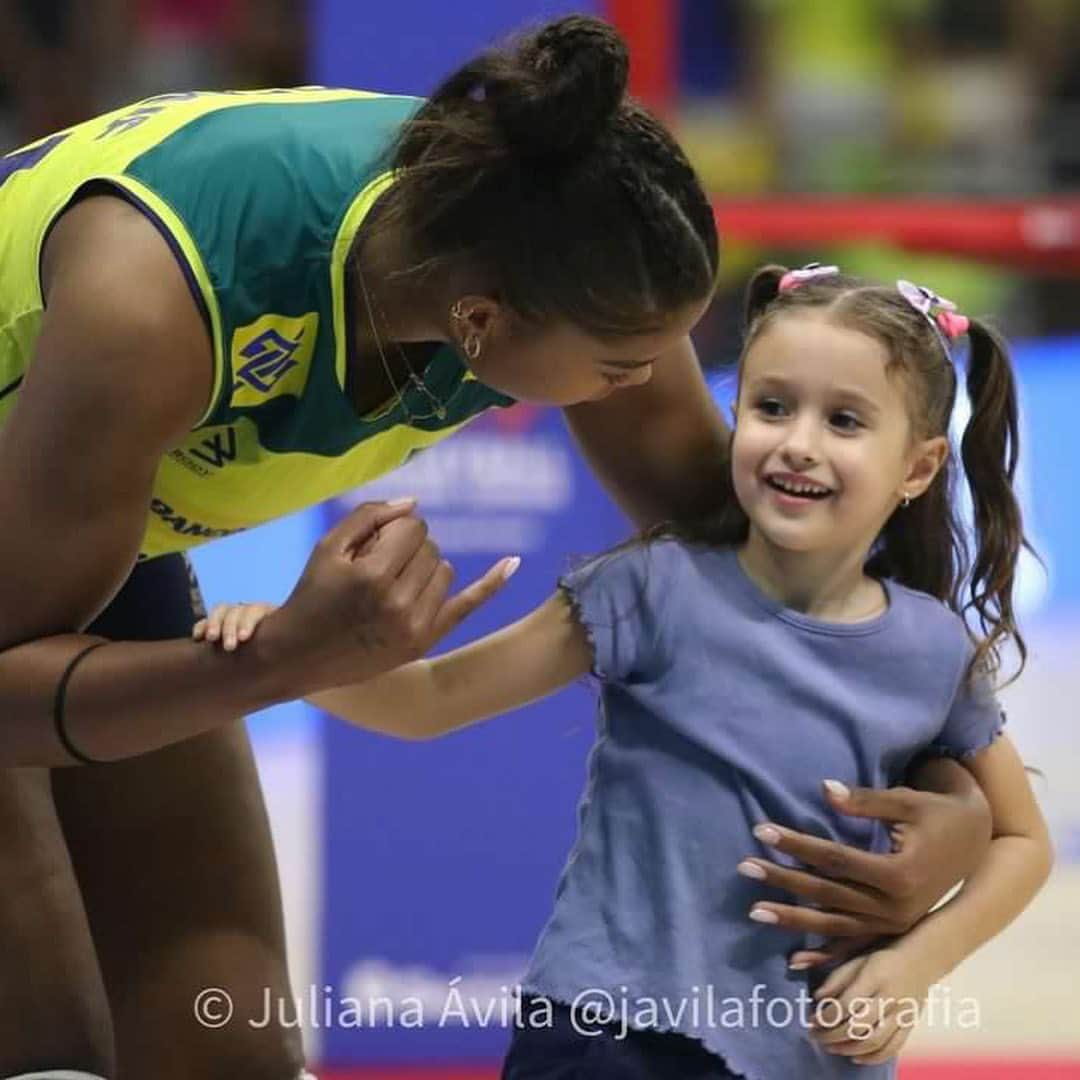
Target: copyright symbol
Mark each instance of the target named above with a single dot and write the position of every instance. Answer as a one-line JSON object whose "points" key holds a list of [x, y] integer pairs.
{"points": [[590, 1010], [213, 1008]]}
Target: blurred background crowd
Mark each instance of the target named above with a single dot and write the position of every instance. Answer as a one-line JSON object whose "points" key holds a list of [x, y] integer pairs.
{"points": [[967, 98], [66, 60]]}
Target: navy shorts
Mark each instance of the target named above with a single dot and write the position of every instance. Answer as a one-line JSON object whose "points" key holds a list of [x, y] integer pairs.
{"points": [[160, 600], [559, 1051]]}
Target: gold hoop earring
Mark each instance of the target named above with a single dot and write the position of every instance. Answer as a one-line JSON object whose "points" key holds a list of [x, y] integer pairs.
{"points": [[472, 347]]}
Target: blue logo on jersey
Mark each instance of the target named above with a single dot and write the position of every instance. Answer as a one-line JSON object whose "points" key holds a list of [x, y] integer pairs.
{"points": [[269, 358]]}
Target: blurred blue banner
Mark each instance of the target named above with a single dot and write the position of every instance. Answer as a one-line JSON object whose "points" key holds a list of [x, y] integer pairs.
{"points": [[1049, 374], [441, 858]]}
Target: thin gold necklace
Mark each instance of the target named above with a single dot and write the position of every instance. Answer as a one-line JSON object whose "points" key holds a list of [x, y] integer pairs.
{"points": [[414, 380]]}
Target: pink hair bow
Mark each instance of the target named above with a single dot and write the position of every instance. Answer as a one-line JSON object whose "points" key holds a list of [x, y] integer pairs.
{"points": [[794, 278], [942, 313]]}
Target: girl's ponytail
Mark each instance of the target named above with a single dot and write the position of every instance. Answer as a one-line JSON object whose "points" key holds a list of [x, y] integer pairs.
{"points": [[989, 451], [763, 289]]}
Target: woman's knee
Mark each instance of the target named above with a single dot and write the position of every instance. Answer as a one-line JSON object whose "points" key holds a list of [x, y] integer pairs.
{"points": [[239, 1055], [53, 1007], [205, 1007]]}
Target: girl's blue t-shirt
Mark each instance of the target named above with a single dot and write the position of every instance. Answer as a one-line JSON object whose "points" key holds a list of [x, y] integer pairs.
{"points": [[720, 710]]}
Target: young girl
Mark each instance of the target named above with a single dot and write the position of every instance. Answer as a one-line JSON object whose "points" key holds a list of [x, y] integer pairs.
{"points": [[815, 630]]}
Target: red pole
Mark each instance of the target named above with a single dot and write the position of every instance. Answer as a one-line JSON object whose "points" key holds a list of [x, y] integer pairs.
{"points": [[1043, 233], [650, 28]]}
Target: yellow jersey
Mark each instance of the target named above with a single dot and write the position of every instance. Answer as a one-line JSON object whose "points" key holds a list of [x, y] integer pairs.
{"points": [[260, 195]]}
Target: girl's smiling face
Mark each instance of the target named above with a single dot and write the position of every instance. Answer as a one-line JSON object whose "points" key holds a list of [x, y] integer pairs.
{"points": [[824, 448]]}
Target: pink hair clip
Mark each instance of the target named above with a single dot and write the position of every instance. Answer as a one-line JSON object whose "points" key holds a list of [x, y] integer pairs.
{"points": [[952, 324], [941, 313], [794, 278]]}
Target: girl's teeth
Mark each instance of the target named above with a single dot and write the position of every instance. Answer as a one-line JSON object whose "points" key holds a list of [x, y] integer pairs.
{"points": [[799, 489]]}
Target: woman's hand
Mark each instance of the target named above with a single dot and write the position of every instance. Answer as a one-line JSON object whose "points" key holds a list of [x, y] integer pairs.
{"points": [[939, 837], [231, 624], [867, 1008], [373, 595]]}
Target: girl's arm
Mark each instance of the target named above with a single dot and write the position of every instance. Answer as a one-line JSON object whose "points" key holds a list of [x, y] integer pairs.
{"points": [[880, 994], [1016, 866], [527, 660]]}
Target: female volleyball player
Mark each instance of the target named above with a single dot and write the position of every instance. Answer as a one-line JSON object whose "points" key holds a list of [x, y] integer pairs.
{"points": [[218, 308], [816, 627]]}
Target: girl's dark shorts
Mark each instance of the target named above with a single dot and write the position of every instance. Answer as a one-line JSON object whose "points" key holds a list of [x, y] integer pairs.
{"points": [[562, 1051]]}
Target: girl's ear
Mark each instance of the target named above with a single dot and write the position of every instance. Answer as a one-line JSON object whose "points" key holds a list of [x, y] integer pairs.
{"points": [[925, 463]]}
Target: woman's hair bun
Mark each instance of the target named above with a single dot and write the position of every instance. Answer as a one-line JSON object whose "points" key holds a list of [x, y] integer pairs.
{"points": [[557, 91]]}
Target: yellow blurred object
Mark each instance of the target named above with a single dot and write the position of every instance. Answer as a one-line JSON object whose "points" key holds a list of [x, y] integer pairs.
{"points": [[731, 154]]}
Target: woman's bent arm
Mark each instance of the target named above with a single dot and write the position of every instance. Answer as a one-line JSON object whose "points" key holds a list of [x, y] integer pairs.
{"points": [[121, 373]]}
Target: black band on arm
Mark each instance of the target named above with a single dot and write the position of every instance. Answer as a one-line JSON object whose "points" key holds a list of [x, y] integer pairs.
{"points": [[58, 706]]}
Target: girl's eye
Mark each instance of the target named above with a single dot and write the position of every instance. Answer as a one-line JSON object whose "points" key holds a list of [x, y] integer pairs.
{"points": [[615, 378], [845, 421], [771, 407]]}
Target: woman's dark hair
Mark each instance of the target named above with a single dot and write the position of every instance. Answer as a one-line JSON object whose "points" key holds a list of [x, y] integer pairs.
{"points": [[531, 164], [924, 545]]}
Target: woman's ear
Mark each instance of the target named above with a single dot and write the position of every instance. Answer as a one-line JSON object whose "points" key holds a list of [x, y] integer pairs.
{"points": [[475, 316]]}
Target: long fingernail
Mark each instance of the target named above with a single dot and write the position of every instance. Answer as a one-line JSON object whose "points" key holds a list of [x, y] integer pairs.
{"points": [[764, 915], [402, 501], [511, 568], [798, 965], [837, 789], [749, 869], [767, 834]]}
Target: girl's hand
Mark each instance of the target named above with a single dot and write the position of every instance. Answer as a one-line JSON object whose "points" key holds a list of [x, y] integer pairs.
{"points": [[231, 624], [867, 1008], [835, 951]]}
